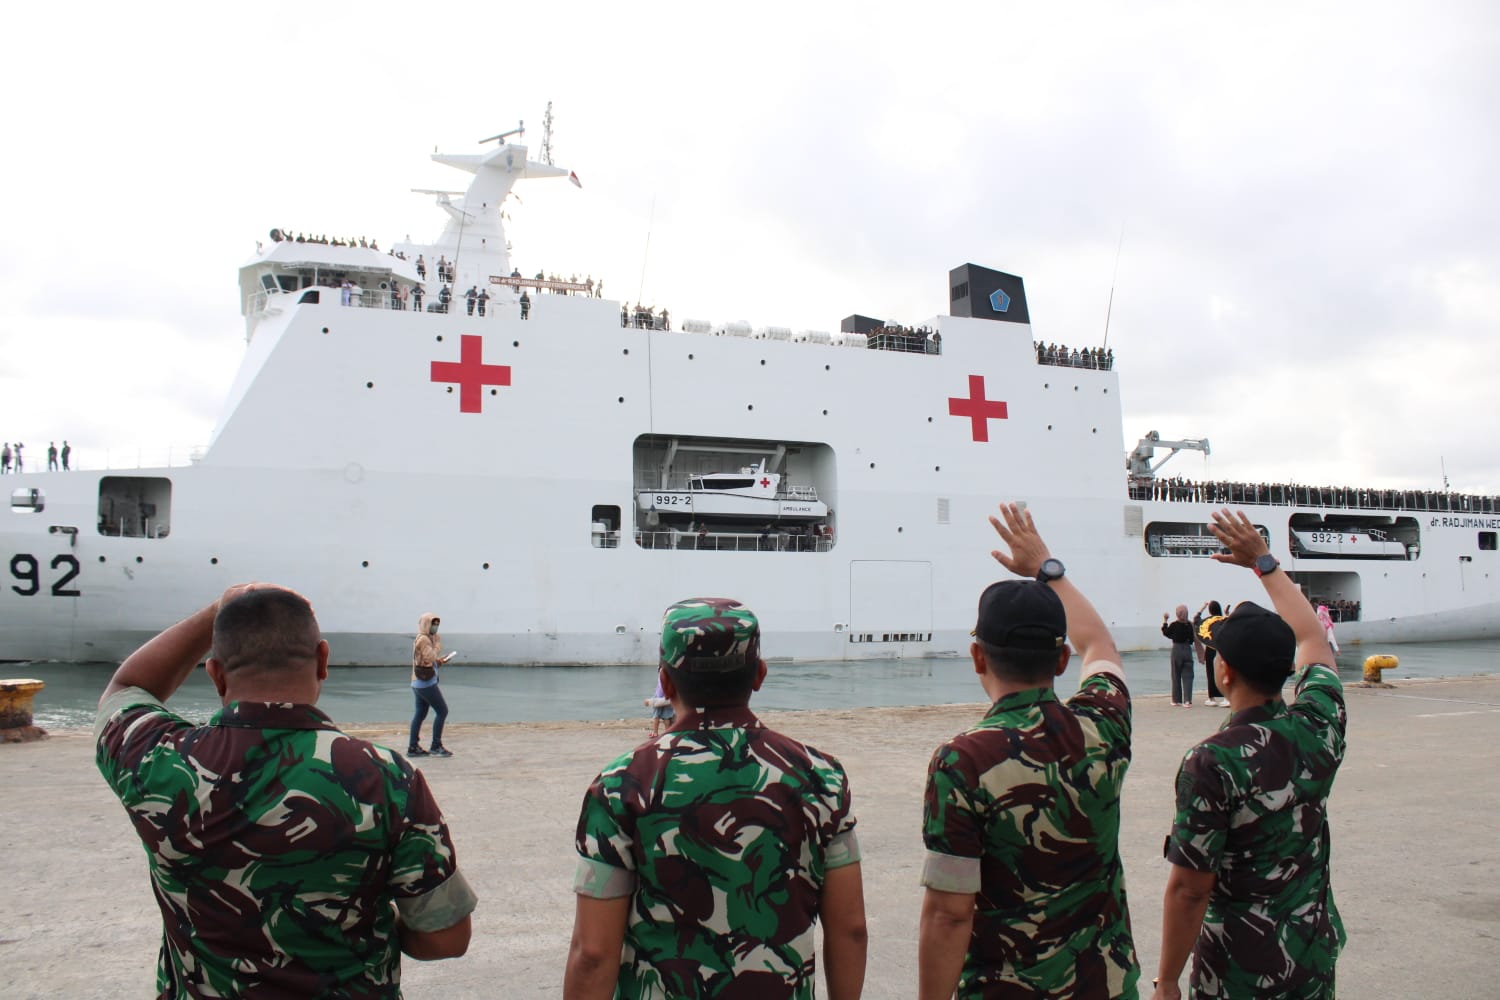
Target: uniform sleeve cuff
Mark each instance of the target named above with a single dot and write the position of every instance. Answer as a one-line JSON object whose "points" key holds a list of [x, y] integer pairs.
{"points": [[441, 908], [947, 873], [843, 850], [123, 698], [601, 881]]}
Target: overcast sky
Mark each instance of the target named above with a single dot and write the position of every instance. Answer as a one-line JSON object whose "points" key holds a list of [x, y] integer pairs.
{"points": [[1310, 272]]}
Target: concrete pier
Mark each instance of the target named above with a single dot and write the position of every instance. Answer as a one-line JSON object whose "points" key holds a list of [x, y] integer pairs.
{"points": [[1415, 813]]}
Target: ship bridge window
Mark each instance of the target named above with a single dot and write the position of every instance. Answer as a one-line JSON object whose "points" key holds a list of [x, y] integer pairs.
{"points": [[27, 501], [604, 526], [728, 484], [311, 295], [135, 506], [268, 282], [1487, 541]]}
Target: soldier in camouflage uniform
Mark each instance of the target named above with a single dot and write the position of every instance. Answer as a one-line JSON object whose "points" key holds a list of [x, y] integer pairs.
{"points": [[707, 853], [1025, 893], [276, 844], [1248, 894]]}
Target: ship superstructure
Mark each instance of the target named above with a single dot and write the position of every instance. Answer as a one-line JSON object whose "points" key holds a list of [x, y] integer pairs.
{"points": [[423, 427]]}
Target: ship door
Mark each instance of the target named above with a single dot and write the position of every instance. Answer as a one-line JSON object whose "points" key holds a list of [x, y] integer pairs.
{"points": [[890, 601]]}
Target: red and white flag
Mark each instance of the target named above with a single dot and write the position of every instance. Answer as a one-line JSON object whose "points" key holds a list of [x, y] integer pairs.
{"points": [[574, 178]]}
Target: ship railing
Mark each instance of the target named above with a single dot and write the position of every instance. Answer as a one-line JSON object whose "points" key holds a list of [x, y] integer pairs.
{"points": [[120, 460], [732, 541], [1333, 497], [798, 493]]}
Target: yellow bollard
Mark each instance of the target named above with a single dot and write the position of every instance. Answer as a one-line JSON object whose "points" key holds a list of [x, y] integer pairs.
{"points": [[1374, 665], [15, 711]]}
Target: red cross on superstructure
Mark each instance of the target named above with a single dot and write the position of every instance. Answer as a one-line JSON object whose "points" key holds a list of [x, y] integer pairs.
{"points": [[978, 409], [470, 373], [765, 483]]}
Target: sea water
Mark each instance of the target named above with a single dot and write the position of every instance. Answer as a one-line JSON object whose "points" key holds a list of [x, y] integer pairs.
{"points": [[495, 693]]}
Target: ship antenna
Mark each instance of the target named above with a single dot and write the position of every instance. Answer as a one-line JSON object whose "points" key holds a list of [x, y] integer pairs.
{"points": [[647, 253], [1444, 467], [1109, 309], [547, 135]]}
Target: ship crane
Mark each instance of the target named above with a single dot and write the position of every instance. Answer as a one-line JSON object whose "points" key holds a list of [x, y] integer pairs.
{"points": [[1139, 463]]}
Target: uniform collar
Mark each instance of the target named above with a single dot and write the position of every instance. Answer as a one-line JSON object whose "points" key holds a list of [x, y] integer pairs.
{"points": [[271, 715], [738, 717], [1022, 699], [1271, 708]]}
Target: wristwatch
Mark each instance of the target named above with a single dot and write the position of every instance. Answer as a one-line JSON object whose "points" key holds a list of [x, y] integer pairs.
{"points": [[1265, 564], [1052, 569]]}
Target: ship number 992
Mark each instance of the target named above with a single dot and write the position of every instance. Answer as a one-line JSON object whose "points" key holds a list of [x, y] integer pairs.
{"points": [[673, 500], [26, 570]]}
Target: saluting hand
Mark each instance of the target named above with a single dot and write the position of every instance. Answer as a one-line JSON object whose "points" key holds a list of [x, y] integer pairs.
{"points": [[1239, 536], [1018, 531]]}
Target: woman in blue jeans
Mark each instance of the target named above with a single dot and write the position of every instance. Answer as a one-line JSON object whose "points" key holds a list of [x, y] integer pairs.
{"points": [[426, 659]]}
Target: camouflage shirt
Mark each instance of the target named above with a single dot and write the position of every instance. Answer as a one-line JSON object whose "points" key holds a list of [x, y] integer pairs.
{"points": [[1252, 808], [1024, 811], [721, 830], [276, 845]]}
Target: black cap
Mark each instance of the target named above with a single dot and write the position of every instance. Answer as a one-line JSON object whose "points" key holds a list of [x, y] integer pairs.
{"points": [[1021, 614], [1252, 639]]}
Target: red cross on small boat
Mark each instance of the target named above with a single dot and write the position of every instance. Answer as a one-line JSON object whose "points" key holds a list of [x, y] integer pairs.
{"points": [[764, 483], [978, 409], [470, 373]]}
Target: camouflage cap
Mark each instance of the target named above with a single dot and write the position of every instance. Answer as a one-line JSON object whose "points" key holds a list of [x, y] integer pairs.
{"points": [[709, 635]]}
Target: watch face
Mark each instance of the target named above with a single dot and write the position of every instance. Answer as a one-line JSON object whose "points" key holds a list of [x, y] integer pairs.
{"points": [[1052, 569]]}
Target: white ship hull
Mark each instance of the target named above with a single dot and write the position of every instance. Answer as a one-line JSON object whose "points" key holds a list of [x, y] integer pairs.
{"points": [[342, 468]]}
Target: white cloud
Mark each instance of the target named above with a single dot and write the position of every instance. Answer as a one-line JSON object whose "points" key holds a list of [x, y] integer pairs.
{"points": [[1308, 276]]}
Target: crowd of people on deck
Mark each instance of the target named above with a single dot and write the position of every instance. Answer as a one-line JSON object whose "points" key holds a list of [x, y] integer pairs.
{"points": [[1341, 611], [285, 236], [1060, 354], [644, 317], [13, 457], [1294, 494], [909, 339]]}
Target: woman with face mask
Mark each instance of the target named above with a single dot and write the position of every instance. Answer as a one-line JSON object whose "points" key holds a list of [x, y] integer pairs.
{"points": [[426, 659]]}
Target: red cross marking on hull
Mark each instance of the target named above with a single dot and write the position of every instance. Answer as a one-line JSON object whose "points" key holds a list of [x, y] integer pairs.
{"points": [[470, 373], [978, 409], [764, 483]]}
